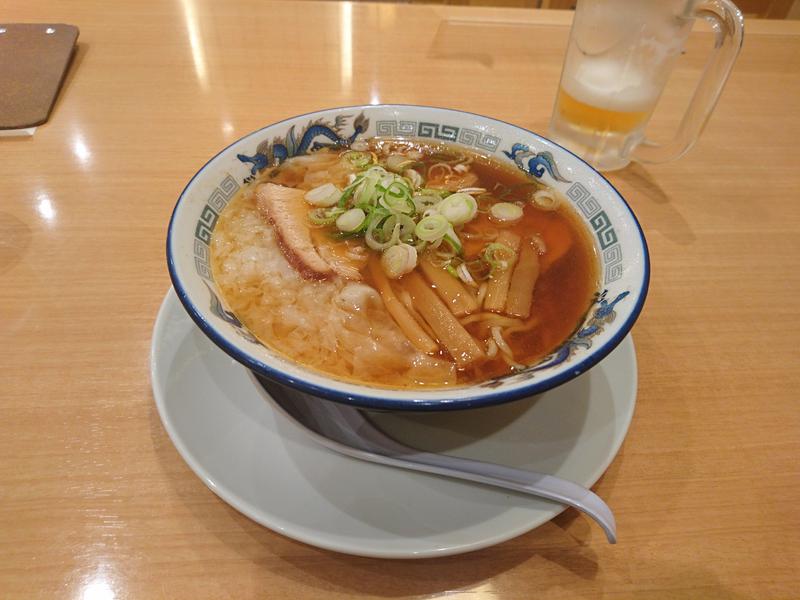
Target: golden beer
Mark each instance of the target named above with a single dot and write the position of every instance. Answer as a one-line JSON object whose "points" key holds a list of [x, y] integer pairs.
{"points": [[596, 118], [619, 57], [618, 60], [602, 106]]}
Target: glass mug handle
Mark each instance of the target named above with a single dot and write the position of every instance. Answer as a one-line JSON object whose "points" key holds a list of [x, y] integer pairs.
{"points": [[728, 27]]}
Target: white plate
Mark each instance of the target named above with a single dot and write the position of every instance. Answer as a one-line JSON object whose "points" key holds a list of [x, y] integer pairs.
{"points": [[264, 465]]}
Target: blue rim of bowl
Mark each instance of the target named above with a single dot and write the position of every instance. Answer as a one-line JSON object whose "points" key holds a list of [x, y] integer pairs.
{"points": [[489, 398]]}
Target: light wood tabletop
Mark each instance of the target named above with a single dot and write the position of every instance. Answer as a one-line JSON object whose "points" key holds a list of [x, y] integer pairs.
{"points": [[96, 503]]}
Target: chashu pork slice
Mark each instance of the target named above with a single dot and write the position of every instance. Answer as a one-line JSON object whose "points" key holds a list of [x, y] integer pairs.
{"points": [[286, 209]]}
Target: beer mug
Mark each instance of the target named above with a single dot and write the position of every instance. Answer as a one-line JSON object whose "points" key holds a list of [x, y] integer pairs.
{"points": [[618, 60]]}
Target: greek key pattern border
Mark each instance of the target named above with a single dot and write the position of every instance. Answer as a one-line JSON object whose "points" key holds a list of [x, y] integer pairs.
{"points": [[438, 131], [217, 201], [611, 250]]}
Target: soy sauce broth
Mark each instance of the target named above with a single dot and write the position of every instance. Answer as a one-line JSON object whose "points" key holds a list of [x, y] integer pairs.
{"points": [[300, 318], [569, 275]]}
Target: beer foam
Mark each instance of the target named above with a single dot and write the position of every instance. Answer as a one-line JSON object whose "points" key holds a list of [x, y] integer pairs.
{"points": [[611, 85]]}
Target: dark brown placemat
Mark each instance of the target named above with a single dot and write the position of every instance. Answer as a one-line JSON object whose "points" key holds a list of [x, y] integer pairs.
{"points": [[33, 61]]}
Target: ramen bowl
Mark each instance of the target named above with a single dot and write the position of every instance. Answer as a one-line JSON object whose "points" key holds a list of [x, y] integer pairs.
{"points": [[617, 237]]}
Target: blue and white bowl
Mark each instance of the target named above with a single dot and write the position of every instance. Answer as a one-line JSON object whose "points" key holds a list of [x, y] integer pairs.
{"points": [[617, 236]]}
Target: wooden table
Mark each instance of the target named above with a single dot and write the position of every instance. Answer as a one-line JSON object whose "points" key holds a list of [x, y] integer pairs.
{"points": [[95, 502]]}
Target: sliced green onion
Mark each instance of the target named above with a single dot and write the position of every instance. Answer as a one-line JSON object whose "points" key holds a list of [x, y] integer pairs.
{"points": [[366, 190], [351, 220], [357, 158], [348, 191], [397, 198], [498, 256], [398, 260], [435, 192], [341, 235], [458, 208], [375, 236], [505, 212], [399, 187], [324, 195], [382, 243], [378, 170], [414, 177], [451, 270], [324, 216], [423, 201], [432, 228], [377, 214], [407, 226], [451, 238]]}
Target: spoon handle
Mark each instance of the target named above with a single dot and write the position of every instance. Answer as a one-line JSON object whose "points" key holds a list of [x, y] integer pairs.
{"points": [[540, 485], [544, 486], [345, 430]]}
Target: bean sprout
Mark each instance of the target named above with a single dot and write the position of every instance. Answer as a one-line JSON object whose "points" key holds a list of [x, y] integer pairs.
{"points": [[501, 343]]}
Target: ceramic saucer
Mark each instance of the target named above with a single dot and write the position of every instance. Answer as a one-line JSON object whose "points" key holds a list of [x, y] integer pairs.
{"points": [[263, 464]]}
